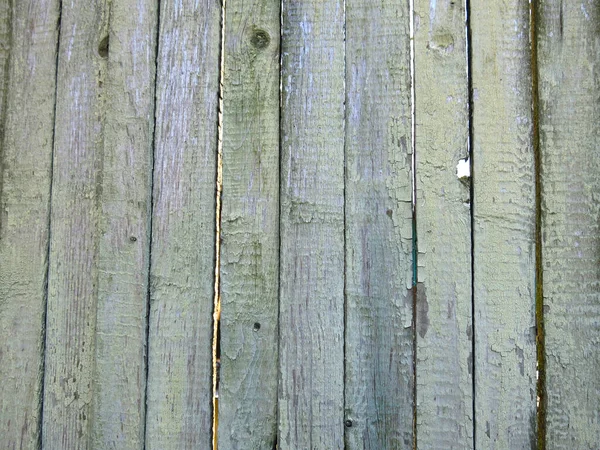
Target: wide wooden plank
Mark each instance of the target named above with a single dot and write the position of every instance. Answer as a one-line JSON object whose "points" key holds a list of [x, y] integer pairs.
{"points": [[311, 391], [27, 94], [123, 243], [444, 327], [179, 393], [73, 275], [504, 225], [250, 226], [569, 94], [379, 375]]}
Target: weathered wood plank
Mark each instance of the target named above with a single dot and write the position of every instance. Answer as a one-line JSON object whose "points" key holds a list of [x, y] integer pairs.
{"points": [[444, 326], [123, 247], [250, 226], [504, 225], [179, 392], [27, 91], [311, 391], [379, 338], [77, 177], [569, 92]]}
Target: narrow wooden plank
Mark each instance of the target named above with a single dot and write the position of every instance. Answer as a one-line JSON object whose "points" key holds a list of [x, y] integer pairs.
{"points": [[379, 339], [28, 94], [77, 176], [504, 225], [444, 325], [250, 226], [123, 247], [183, 227], [569, 91], [311, 393]]}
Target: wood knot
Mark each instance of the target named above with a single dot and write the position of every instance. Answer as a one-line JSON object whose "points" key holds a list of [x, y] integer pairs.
{"points": [[260, 39]]}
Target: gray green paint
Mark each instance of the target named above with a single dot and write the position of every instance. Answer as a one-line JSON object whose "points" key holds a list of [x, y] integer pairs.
{"points": [[379, 375], [27, 81], [114, 198], [444, 326], [503, 225], [250, 226], [179, 392], [311, 389], [569, 86]]}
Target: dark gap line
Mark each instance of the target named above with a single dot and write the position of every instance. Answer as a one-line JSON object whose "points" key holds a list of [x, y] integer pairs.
{"points": [[469, 48], [150, 225], [539, 286], [49, 228], [279, 374], [6, 83], [345, 419], [216, 344], [415, 248]]}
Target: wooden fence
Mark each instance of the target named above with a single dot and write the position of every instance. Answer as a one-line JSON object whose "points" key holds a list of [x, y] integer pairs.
{"points": [[363, 224]]}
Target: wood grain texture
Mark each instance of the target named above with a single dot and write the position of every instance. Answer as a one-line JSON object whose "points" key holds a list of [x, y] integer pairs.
{"points": [[76, 185], [311, 391], [183, 227], [123, 240], [569, 91], [250, 226], [28, 92], [379, 339], [444, 326], [504, 226]]}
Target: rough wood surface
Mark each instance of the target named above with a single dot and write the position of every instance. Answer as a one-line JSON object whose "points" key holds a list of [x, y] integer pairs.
{"points": [[379, 340], [179, 392], [311, 391], [250, 227], [504, 226], [444, 327], [569, 91], [74, 233], [123, 247], [27, 88]]}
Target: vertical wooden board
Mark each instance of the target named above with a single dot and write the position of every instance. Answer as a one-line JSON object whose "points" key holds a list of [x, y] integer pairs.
{"points": [[569, 91], [120, 377], [504, 225], [311, 391], [250, 226], [444, 325], [26, 158], [179, 393], [77, 177], [379, 375]]}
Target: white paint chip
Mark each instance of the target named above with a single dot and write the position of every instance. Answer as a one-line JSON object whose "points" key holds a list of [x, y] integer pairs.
{"points": [[463, 168]]}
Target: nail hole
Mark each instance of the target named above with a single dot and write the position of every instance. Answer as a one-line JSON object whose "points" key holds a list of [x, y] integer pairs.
{"points": [[348, 423], [132, 238], [256, 326], [103, 47]]}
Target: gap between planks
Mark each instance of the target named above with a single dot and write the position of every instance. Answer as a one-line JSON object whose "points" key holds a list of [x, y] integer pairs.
{"points": [[219, 191]]}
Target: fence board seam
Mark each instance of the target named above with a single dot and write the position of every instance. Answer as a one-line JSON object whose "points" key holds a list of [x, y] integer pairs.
{"points": [[4, 89], [539, 273], [469, 64], [49, 225], [415, 244], [150, 224]]}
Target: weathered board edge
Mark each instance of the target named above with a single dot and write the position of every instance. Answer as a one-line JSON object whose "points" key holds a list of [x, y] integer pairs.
{"points": [[379, 372], [182, 267], [504, 225], [249, 260], [444, 311]]}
